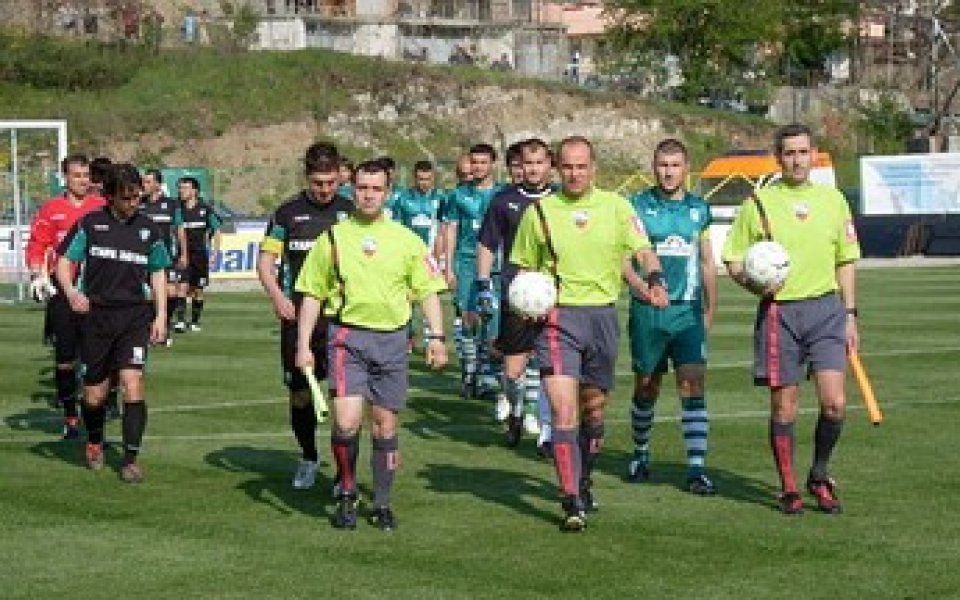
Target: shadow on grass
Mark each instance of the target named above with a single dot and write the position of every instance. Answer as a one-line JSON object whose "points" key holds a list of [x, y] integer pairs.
{"points": [[496, 486], [72, 452], [46, 392], [730, 485], [435, 410], [40, 420], [270, 485]]}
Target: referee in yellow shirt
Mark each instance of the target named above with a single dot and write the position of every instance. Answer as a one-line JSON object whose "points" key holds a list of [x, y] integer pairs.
{"points": [[807, 324], [362, 274], [582, 235]]}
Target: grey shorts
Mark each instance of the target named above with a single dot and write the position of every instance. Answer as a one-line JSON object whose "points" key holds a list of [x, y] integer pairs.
{"points": [[372, 364], [580, 342], [793, 337]]}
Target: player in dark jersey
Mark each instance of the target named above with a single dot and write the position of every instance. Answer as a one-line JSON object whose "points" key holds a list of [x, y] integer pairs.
{"points": [[202, 226], [165, 212], [291, 232], [525, 407], [121, 292]]}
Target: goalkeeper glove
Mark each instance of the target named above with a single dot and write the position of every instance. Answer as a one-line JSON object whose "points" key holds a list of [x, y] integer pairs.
{"points": [[41, 289]]}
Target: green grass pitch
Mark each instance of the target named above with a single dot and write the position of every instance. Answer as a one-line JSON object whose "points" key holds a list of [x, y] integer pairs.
{"points": [[217, 517]]}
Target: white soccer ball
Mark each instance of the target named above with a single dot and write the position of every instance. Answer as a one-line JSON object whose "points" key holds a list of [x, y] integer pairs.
{"points": [[766, 263], [532, 294]]}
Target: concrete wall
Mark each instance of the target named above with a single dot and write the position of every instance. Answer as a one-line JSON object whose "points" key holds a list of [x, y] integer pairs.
{"points": [[281, 34]]}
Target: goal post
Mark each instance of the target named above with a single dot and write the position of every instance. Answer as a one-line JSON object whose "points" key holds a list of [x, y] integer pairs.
{"points": [[29, 151]]}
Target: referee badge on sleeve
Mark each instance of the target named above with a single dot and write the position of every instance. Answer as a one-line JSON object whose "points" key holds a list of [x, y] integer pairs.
{"points": [[638, 225]]}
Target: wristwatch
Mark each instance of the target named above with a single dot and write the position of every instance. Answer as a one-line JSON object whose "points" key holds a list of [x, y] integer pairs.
{"points": [[852, 311]]}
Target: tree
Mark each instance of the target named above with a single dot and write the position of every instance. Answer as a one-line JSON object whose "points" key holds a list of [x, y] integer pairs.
{"points": [[813, 30], [725, 47], [717, 42]]}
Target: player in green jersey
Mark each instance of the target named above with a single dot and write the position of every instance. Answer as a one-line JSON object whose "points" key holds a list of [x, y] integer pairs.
{"points": [[678, 225], [418, 209], [463, 216]]}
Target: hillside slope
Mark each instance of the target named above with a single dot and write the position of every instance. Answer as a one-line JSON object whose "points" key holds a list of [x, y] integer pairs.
{"points": [[251, 115]]}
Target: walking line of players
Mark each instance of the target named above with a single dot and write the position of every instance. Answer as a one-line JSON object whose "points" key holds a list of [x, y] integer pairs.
{"points": [[342, 260]]}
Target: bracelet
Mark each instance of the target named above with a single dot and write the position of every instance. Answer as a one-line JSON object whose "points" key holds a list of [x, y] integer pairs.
{"points": [[439, 337], [853, 312]]}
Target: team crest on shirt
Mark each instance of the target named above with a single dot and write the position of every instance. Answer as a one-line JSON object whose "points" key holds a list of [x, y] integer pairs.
{"points": [[581, 218], [144, 234], [695, 215], [369, 246], [801, 210]]}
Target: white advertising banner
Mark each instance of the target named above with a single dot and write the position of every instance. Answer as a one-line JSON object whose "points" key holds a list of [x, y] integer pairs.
{"points": [[912, 184]]}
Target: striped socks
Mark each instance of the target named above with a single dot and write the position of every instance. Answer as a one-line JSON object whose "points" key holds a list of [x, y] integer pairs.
{"points": [[695, 424]]}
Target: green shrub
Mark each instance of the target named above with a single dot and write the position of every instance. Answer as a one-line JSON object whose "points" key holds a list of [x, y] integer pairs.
{"points": [[52, 63]]}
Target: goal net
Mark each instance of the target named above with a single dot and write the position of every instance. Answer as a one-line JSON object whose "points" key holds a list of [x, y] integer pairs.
{"points": [[30, 154]]}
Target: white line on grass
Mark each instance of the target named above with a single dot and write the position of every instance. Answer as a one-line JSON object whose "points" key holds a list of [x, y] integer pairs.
{"points": [[242, 435], [173, 408], [5, 420]]}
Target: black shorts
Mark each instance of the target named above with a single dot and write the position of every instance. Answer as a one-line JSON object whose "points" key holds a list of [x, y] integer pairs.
{"points": [[197, 274], [292, 377], [174, 275], [63, 329], [114, 338], [517, 335]]}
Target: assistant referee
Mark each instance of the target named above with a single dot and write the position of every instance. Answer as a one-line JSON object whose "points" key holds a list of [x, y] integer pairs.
{"points": [[362, 274]]}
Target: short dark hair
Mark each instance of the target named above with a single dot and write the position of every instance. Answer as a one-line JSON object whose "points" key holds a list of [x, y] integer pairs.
{"points": [[321, 164], [670, 146], [573, 140], [318, 150], [73, 159], [422, 166], [190, 180], [118, 178], [514, 152], [538, 144], [346, 162], [789, 131], [388, 163], [99, 167], [155, 173], [372, 167], [484, 149]]}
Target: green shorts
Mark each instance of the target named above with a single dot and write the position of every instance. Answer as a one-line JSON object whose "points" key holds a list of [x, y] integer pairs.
{"points": [[675, 333]]}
